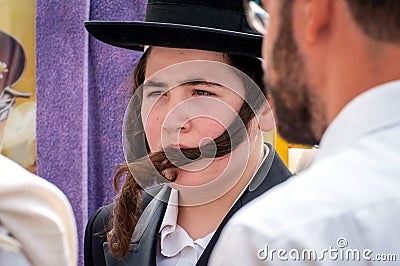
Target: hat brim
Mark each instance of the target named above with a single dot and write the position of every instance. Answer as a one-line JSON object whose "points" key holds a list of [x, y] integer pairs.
{"points": [[135, 35]]}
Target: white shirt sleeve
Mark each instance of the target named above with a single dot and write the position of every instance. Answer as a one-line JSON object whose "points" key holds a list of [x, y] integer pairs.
{"points": [[38, 215], [237, 246]]}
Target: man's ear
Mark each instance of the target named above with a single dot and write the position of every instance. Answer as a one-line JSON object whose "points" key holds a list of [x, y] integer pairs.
{"points": [[317, 14], [266, 119]]}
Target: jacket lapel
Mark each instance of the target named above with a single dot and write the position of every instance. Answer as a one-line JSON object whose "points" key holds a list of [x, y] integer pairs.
{"points": [[143, 245], [271, 173], [144, 241]]}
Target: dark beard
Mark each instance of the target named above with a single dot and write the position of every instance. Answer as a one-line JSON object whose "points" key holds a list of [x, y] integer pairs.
{"points": [[297, 121]]}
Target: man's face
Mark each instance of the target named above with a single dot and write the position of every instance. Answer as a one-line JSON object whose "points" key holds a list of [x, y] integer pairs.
{"points": [[177, 96], [190, 97], [299, 116]]}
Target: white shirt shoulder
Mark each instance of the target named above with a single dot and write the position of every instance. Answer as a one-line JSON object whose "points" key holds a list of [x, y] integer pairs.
{"points": [[38, 215], [347, 200]]}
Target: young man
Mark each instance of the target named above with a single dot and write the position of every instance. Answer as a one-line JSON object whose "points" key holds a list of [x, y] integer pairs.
{"points": [[188, 94], [334, 70], [37, 225]]}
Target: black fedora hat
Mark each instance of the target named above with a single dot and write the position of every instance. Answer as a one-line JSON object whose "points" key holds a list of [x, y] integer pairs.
{"points": [[214, 25]]}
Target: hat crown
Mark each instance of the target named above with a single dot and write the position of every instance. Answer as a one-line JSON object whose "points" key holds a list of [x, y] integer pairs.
{"points": [[217, 14], [236, 6]]}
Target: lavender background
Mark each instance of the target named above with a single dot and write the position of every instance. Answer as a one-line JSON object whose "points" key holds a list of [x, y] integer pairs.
{"points": [[82, 92]]}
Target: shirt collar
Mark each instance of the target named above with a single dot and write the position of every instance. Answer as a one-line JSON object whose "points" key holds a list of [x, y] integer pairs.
{"points": [[173, 237], [169, 222], [372, 110], [256, 180], [171, 213]]}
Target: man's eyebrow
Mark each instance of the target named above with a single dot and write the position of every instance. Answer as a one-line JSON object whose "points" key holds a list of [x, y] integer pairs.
{"points": [[188, 82], [194, 82], [151, 83]]}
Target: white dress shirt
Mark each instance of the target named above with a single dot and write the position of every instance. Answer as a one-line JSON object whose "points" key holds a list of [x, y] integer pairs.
{"points": [[38, 215], [347, 204], [175, 246]]}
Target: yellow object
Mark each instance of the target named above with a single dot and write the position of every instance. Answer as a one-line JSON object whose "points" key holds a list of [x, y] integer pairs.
{"points": [[282, 147]]}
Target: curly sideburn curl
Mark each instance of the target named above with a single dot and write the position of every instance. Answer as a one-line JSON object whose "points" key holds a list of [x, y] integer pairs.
{"points": [[125, 216], [128, 202]]}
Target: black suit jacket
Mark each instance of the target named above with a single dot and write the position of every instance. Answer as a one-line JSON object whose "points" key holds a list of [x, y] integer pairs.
{"points": [[143, 244]]}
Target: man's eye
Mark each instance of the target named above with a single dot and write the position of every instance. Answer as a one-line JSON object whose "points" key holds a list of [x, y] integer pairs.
{"points": [[203, 93], [155, 94]]}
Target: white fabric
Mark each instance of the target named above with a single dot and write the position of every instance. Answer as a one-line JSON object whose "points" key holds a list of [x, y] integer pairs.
{"points": [[176, 247], [347, 200], [38, 215], [10, 250]]}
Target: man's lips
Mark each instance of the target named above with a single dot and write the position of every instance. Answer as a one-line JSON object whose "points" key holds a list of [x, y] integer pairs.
{"points": [[177, 146]]}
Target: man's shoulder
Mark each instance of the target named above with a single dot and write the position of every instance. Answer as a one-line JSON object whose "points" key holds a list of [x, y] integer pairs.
{"points": [[330, 188], [100, 219], [99, 225], [14, 173], [16, 178], [299, 200]]}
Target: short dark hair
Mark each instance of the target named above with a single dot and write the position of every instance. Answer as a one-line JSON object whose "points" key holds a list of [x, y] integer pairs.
{"points": [[379, 19]]}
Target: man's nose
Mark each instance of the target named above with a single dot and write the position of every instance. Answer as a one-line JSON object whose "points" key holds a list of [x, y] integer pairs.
{"points": [[177, 118]]}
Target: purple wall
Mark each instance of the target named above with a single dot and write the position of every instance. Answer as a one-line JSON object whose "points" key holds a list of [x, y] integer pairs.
{"points": [[82, 91]]}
